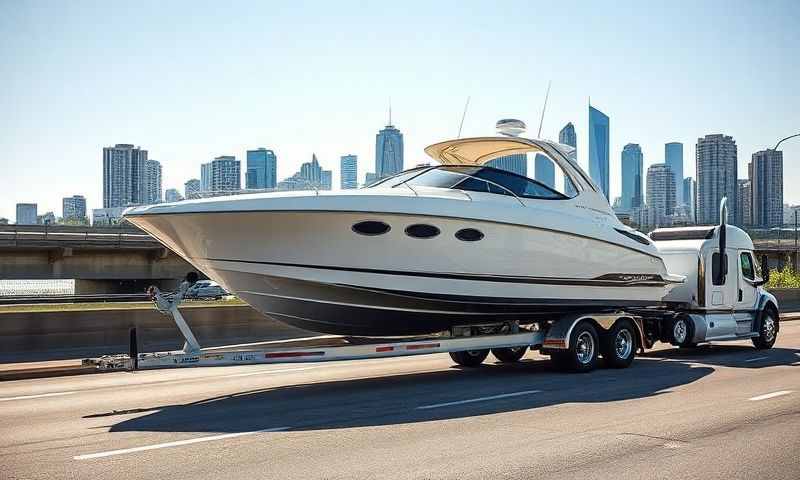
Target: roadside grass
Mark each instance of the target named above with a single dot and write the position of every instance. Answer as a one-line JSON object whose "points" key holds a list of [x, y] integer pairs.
{"points": [[82, 307]]}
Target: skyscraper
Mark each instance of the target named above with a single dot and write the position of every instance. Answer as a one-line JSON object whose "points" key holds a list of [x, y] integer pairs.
{"points": [[716, 177], [690, 196], [388, 151], [598, 149], [349, 171], [544, 170], [632, 170], [26, 213], [517, 163], [767, 185], [262, 169], [744, 203], [326, 180], [660, 192], [226, 174], [206, 174], [124, 176], [673, 157], [153, 179], [311, 176], [191, 189], [567, 135], [73, 209]]}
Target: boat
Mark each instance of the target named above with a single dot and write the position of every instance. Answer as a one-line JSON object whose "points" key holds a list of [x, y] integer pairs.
{"points": [[435, 247]]}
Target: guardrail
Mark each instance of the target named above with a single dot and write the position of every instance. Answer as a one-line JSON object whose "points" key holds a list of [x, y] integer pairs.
{"points": [[88, 298], [34, 235]]}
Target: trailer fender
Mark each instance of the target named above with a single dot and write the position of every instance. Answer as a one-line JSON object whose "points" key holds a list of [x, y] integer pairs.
{"points": [[558, 335]]}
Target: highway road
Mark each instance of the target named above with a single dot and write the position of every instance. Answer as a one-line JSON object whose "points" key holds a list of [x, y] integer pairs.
{"points": [[726, 411]]}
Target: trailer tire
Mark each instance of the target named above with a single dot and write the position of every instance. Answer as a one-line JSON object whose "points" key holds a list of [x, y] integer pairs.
{"points": [[509, 354], [469, 358], [583, 351], [681, 332], [767, 332], [619, 345]]}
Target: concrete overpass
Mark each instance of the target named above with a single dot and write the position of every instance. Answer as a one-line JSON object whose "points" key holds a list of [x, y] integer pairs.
{"points": [[101, 260]]}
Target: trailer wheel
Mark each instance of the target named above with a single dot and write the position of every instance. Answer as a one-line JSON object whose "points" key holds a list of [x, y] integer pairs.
{"points": [[581, 356], [509, 354], [469, 358], [768, 332], [681, 332], [619, 345]]}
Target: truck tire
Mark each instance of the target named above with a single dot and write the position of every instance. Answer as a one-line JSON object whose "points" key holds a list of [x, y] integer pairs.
{"points": [[583, 351], [619, 345], [509, 354], [681, 332], [768, 331], [469, 358]]}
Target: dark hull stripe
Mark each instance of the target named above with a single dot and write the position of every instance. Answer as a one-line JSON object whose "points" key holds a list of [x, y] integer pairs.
{"points": [[604, 281]]}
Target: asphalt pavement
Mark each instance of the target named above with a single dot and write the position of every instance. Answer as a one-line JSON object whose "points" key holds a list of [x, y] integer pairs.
{"points": [[722, 411]]}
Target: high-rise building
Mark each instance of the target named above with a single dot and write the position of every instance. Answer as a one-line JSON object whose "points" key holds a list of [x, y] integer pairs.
{"points": [[632, 177], [73, 209], [544, 170], [173, 195], [262, 169], [153, 178], [744, 203], [716, 177], [673, 157], [191, 189], [598, 149], [311, 176], [226, 175], [517, 163], [48, 218], [124, 176], [206, 174], [567, 135], [690, 196], [349, 171], [660, 192], [326, 180], [767, 177], [388, 151], [26, 213]]}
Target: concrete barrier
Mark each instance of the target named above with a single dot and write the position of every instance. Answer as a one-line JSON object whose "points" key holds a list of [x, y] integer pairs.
{"points": [[788, 298], [51, 335]]}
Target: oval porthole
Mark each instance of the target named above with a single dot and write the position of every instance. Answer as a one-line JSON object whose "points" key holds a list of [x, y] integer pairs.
{"points": [[371, 228], [422, 230], [469, 235]]}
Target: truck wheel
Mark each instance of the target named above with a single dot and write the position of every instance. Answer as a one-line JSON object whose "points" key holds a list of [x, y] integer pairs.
{"points": [[469, 358], [681, 332], [619, 345], [509, 354], [581, 356], [768, 332]]}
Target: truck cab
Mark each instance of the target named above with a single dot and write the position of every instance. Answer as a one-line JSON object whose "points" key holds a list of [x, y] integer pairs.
{"points": [[722, 297]]}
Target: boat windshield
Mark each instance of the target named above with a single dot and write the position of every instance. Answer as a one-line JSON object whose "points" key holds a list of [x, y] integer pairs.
{"points": [[474, 179]]}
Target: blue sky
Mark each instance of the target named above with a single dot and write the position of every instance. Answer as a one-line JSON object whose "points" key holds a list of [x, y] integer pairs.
{"points": [[193, 80]]}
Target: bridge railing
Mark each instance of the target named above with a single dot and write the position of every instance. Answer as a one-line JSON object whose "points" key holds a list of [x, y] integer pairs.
{"points": [[48, 235]]}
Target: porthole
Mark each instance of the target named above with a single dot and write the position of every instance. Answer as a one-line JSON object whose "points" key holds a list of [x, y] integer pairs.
{"points": [[371, 228], [469, 235], [421, 230]]}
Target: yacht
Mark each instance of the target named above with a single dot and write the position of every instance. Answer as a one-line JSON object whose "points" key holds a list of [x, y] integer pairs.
{"points": [[452, 244]]}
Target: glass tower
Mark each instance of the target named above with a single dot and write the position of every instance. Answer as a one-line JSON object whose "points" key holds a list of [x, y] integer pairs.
{"points": [[716, 157], [388, 152], [349, 172], [598, 149], [673, 157], [262, 169], [517, 163], [632, 170], [544, 170]]}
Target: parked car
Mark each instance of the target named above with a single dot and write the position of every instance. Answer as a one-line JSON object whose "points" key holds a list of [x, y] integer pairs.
{"points": [[205, 289]]}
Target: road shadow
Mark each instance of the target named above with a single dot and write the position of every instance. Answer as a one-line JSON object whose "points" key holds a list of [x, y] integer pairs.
{"points": [[396, 399], [727, 355]]}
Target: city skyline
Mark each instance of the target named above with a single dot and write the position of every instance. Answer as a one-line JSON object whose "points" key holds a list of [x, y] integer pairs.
{"points": [[341, 112]]}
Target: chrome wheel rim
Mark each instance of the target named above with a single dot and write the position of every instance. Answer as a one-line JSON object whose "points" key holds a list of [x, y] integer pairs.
{"points": [[474, 353], [769, 328], [584, 348], [623, 343], [679, 331]]}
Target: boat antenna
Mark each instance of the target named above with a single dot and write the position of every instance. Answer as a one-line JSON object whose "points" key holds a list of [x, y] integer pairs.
{"points": [[463, 116], [541, 120]]}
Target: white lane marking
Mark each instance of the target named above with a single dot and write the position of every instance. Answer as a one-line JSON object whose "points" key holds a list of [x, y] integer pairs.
{"points": [[770, 395], [756, 359], [41, 395], [269, 372], [479, 399], [176, 444]]}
